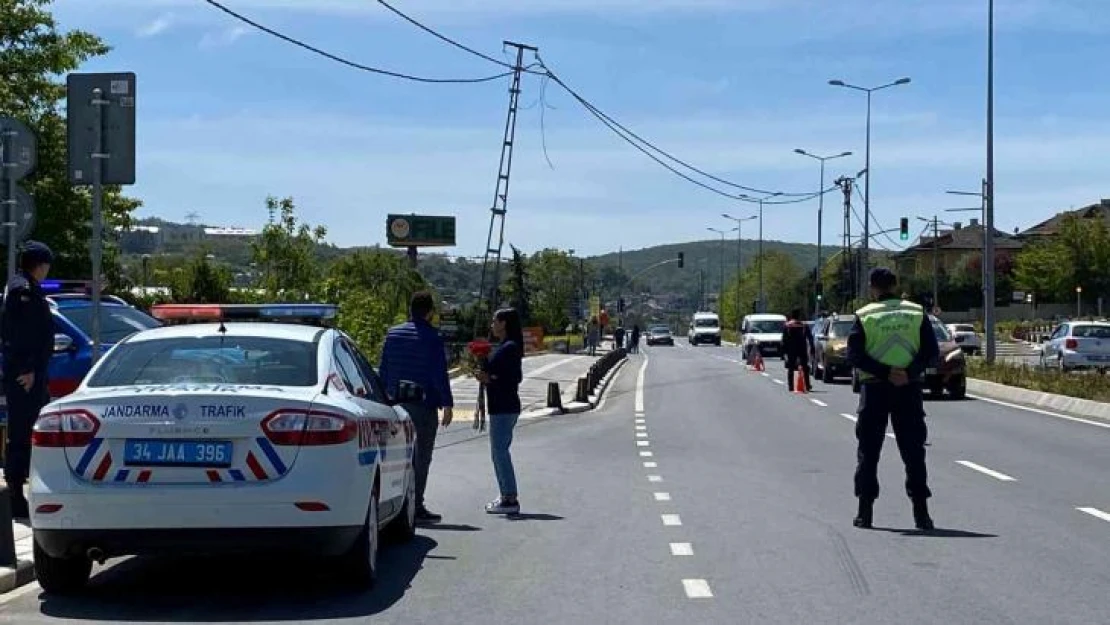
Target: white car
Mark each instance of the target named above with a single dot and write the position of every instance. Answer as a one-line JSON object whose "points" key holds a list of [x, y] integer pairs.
{"points": [[763, 331], [966, 337], [216, 438], [1078, 345]]}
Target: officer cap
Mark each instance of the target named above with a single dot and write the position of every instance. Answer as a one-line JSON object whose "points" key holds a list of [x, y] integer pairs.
{"points": [[883, 278], [37, 253]]}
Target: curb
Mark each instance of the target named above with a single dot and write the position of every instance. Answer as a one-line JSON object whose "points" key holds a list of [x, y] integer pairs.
{"points": [[10, 578], [1037, 399], [575, 407]]}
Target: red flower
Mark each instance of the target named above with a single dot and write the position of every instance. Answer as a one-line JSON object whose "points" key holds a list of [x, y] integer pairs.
{"points": [[479, 348]]}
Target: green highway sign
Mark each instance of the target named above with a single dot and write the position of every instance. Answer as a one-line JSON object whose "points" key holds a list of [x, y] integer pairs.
{"points": [[420, 231]]}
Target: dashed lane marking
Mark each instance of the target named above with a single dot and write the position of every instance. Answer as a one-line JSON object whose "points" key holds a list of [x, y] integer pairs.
{"points": [[662, 496], [819, 403], [639, 407], [779, 382], [650, 464], [765, 374], [850, 417], [697, 589], [671, 520], [1095, 512], [985, 471], [646, 454], [682, 549], [641, 434], [655, 478], [642, 443], [641, 427]]}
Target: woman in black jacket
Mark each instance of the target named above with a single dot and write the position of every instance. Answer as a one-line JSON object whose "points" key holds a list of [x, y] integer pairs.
{"points": [[502, 376]]}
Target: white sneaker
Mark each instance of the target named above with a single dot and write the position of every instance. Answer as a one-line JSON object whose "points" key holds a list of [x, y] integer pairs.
{"points": [[497, 507]]}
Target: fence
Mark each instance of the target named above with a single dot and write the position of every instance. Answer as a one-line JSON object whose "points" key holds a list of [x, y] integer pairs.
{"points": [[588, 383]]}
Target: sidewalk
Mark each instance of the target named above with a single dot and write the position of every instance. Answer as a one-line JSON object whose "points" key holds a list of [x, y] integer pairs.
{"points": [[539, 370]]}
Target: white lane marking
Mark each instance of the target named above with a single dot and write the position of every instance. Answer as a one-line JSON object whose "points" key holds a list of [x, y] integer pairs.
{"points": [[640, 421], [655, 478], [651, 464], [984, 470], [697, 589], [645, 454], [662, 496], [612, 383], [765, 374], [777, 381], [1039, 411], [639, 415], [640, 386], [1095, 512], [641, 427], [643, 444], [641, 434], [850, 417], [819, 403], [682, 549], [671, 520]]}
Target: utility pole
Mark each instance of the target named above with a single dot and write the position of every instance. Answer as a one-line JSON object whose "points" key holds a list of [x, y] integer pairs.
{"points": [[845, 184], [988, 194], [501, 194]]}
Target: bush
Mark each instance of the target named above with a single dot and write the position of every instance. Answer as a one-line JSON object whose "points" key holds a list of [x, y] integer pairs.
{"points": [[1092, 386]]}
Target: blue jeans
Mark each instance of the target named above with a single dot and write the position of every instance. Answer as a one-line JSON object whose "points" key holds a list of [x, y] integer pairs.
{"points": [[500, 438]]}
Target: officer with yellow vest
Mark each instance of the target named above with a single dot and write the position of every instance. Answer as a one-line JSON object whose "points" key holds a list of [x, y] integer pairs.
{"points": [[890, 345]]}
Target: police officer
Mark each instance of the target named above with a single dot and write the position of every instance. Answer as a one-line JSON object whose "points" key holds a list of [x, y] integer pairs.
{"points": [[890, 344], [27, 332]]}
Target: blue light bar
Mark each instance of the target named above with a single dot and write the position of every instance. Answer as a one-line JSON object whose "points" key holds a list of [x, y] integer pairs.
{"points": [[303, 311]]}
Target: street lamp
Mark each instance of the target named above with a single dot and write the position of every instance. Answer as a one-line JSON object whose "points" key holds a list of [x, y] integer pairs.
{"points": [[867, 166], [761, 201], [722, 233], [820, 211], [739, 258], [1078, 302]]}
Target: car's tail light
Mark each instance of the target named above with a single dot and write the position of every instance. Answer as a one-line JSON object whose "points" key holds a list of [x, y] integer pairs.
{"points": [[65, 428], [304, 427], [1071, 344]]}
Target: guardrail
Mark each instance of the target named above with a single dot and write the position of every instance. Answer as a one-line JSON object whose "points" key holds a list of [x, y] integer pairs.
{"points": [[588, 383]]}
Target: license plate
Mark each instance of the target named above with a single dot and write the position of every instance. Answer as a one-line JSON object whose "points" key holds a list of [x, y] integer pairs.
{"points": [[931, 371], [144, 452]]}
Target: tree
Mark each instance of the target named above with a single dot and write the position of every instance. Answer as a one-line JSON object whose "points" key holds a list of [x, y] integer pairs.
{"points": [[285, 252], [372, 289], [516, 287], [783, 285], [552, 285], [34, 57], [1078, 255], [200, 282]]}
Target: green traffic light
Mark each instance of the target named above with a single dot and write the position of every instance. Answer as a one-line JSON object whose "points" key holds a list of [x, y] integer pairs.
{"points": [[905, 236]]}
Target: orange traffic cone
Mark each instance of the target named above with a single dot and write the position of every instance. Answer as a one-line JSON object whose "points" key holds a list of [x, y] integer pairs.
{"points": [[759, 361], [799, 381]]}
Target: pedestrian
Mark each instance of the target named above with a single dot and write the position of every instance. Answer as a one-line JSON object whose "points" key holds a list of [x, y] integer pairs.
{"points": [[635, 339], [593, 336], [618, 337], [890, 345], [27, 330], [795, 343], [414, 352], [502, 376]]}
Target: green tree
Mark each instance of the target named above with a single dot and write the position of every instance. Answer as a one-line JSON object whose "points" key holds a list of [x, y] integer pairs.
{"points": [[515, 288], [34, 58], [1043, 268], [201, 282], [285, 253], [784, 287], [552, 285]]}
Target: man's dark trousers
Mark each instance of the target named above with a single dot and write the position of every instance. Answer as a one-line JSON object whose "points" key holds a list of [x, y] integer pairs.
{"points": [[23, 408], [906, 410], [426, 420]]}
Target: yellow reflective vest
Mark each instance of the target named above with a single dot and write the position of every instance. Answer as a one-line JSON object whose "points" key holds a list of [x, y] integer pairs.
{"points": [[892, 329]]}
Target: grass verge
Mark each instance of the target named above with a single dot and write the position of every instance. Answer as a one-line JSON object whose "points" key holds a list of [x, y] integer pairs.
{"points": [[1091, 386]]}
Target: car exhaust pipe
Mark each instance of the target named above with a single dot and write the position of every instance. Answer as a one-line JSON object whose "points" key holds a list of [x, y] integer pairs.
{"points": [[96, 554]]}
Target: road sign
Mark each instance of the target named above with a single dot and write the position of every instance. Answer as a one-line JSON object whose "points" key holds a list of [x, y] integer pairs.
{"points": [[116, 135], [24, 215], [420, 231], [20, 147]]}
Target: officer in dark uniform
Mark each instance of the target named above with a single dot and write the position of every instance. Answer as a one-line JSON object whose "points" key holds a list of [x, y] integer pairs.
{"points": [[890, 345], [27, 331]]}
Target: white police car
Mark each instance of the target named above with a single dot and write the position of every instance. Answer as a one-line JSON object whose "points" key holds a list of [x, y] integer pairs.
{"points": [[223, 437]]}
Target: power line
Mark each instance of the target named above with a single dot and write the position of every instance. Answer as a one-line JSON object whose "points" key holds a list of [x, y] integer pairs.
{"points": [[878, 225], [348, 62]]}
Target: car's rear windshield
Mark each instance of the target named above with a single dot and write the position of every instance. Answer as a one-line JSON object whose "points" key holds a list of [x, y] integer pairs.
{"points": [[964, 328], [116, 322], [1091, 332], [705, 323], [941, 332], [840, 329], [660, 330], [209, 360], [767, 327]]}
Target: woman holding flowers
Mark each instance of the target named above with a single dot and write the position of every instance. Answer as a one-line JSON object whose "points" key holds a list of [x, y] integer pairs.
{"points": [[501, 375]]}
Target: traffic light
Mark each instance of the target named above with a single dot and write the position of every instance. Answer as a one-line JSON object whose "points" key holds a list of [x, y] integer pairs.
{"points": [[681, 259], [904, 229]]}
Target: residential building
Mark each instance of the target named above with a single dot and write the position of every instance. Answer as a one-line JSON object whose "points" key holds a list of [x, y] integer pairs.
{"points": [[1050, 227], [952, 247]]}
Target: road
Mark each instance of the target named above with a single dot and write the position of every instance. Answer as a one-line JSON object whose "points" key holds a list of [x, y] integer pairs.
{"points": [[728, 501]]}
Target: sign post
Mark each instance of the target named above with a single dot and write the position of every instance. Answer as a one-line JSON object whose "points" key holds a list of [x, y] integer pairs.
{"points": [[18, 153], [100, 128]]}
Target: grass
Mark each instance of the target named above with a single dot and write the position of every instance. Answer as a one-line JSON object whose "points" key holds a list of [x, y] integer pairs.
{"points": [[1093, 386]]}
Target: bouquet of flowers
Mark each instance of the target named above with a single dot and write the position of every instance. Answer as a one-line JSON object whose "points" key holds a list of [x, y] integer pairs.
{"points": [[478, 352]]}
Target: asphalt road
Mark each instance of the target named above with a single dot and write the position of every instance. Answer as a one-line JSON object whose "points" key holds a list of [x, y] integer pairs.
{"points": [[728, 501]]}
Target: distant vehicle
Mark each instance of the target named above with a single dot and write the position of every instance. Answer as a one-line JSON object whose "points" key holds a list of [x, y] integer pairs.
{"points": [[223, 437], [967, 337], [705, 328], [1078, 345], [659, 335], [949, 372], [764, 330], [831, 345]]}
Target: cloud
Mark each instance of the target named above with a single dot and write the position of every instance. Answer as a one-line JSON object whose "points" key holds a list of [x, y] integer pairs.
{"points": [[224, 37], [156, 27]]}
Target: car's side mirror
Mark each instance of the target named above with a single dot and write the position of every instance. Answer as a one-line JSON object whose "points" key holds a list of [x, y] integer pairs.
{"points": [[409, 393], [62, 343]]}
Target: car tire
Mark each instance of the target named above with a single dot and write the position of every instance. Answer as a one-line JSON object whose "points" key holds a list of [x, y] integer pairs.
{"points": [[957, 387], [360, 563], [402, 529], [61, 576]]}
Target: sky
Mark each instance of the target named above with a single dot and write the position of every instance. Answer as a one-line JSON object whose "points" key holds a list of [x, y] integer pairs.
{"points": [[228, 115]]}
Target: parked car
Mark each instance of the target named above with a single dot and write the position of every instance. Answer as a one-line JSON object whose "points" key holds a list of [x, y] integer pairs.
{"points": [[831, 347], [1078, 345], [967, 337]]}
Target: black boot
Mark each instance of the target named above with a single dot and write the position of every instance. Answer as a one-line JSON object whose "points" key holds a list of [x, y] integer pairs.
{"points": [[921, 517], [20, 508], [864, 516]]}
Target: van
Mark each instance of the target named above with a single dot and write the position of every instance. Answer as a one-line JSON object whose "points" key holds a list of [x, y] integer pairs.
{"points": [[705, 328], [764, 330]]}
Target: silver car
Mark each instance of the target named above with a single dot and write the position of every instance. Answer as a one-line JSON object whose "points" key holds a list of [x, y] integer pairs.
{"points": [[1078, 345]]}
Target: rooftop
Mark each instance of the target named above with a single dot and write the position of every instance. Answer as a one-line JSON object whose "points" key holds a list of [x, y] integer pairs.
{"points": [[1098, 210], [961, 237]]}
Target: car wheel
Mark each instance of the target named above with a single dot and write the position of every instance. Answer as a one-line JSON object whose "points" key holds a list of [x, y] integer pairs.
{"points": [[361, 560], [61, 576], [403, 528], [957, 387]]}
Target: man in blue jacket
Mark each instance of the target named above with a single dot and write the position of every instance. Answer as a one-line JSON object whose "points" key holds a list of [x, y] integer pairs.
{"points": [[414, 352]]}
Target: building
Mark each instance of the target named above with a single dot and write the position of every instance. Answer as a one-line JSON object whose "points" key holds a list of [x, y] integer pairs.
{"points": [[952, 248], [1051, 227]]}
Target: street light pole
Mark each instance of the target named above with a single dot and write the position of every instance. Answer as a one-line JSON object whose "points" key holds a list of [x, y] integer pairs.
{"points": [[988, 195], [760, 259], [867, 183], [739, 259], [722, 291], [820, 213]]}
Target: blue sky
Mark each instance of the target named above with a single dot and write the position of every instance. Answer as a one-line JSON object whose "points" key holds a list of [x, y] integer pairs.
{"points": [[228, 115]]}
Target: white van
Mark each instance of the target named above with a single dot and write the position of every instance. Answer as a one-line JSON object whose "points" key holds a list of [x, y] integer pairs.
{"points": [[764, 330], [705, 328]]}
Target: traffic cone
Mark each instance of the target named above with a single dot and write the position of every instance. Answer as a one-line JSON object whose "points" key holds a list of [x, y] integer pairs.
{"points": [[799, 384], [759, 362]]}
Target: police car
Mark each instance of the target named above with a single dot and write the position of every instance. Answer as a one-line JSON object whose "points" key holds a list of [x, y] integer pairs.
{"points": [[223, 436]]}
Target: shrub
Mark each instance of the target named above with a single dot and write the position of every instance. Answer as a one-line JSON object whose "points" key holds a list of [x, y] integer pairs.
{"points": [[1093, 386]]}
